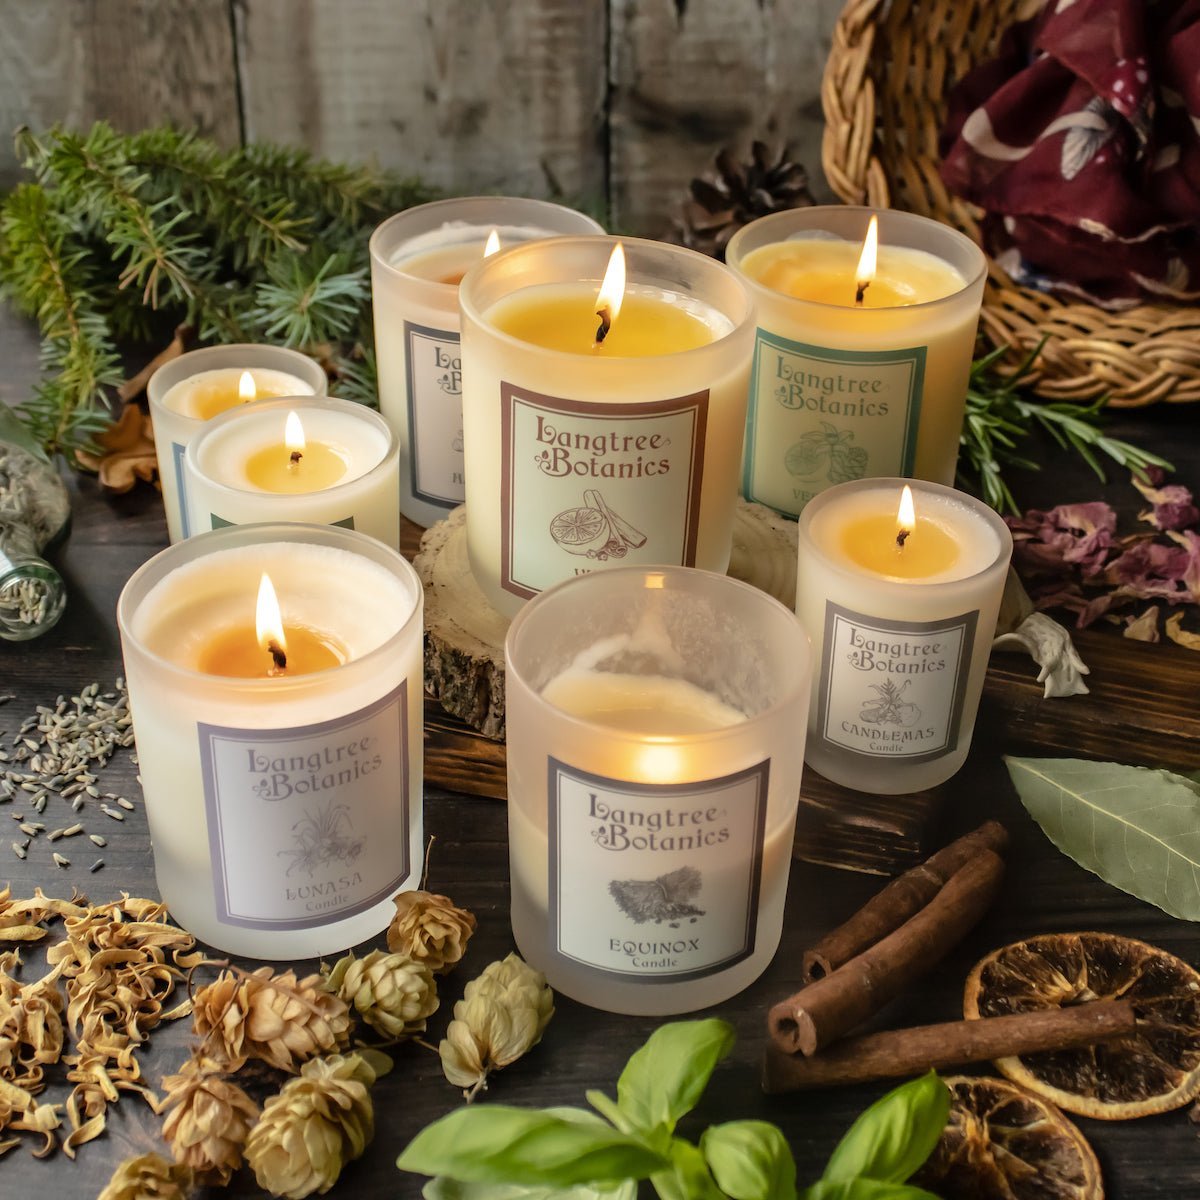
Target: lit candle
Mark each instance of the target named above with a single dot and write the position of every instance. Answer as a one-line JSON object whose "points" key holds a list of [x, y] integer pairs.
{"points": [[603, 424], [655, 727], [275, 681], [320, 460], [417, 259], [899, 588], [189, 390], [866, 327]]}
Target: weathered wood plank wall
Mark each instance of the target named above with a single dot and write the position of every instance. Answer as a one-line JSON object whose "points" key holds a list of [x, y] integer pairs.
{"points": [[611, 102]]}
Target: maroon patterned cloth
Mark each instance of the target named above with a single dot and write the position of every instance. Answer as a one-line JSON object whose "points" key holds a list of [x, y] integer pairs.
{"points": [[1081, 141]]}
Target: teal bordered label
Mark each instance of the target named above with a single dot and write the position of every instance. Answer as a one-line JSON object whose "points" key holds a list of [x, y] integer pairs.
{"points": [[221, 523], [819, 416]]}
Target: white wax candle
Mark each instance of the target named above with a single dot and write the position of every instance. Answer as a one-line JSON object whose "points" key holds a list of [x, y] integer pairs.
{"points": [[225, 484], [284, 810], [901, 628], [207, 394]]}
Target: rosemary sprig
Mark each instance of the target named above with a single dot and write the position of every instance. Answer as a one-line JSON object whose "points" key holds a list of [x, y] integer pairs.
{"points": [[999, 418]]}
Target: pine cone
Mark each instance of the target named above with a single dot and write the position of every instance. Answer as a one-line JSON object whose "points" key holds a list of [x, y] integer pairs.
{"points": [[318, 1122], [208, 1120], [273, 1017], [393, 994], [502, 1014], [733, 194], [428, 929], [148, 1177]]}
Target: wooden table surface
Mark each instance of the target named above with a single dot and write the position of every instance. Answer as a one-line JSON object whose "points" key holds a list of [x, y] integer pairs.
{"points": [[584, 1048]]}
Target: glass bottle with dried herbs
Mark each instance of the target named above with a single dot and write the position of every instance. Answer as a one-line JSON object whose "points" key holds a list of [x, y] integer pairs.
{"points": [[35, 514]]}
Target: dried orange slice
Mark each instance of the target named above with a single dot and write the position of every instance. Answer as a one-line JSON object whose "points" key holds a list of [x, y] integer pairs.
{"points": [[578, 526], [1154, 1071], [1000, 1143]]}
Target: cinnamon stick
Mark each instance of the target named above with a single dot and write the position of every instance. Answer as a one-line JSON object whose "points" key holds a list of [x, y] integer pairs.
{"points": [[910, 1051], [907, 894], [823, 1011]]}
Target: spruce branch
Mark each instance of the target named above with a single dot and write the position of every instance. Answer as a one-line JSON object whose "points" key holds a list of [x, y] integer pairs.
{"points": [[999, 418]]}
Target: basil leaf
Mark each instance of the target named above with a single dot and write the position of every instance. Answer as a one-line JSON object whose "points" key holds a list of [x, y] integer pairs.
{"points": [[493, 1143], [668, 1075], [893, 1137], [608, 1108], [688, 1177], [442, 1188], [750, 1160], [864, 1189]]}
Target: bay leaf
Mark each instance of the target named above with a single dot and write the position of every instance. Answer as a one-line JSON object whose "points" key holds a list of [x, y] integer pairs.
{"points": [[1138, 828]]}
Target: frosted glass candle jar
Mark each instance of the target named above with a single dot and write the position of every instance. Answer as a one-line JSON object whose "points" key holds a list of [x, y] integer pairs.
{"points": [[417, 259], [839, 392], [901, 633], [197, 386], [580, 455], [239, 469], [655, 742], [284, 809]]}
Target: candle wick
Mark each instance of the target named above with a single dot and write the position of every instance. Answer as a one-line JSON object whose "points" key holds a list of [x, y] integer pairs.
{"points": [[605, 324], [294, 460], [278, 657], [860, 290], [902, 537]]}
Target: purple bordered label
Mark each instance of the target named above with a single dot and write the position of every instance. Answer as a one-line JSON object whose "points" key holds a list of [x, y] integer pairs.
{"points": [[433, 370], [655, 883], [308, 825]]}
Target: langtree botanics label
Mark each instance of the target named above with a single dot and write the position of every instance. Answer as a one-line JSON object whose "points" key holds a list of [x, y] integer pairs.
{"points": [[308, 825], [819, 416], [893, 689], [584, 484], [435, 435], [654, 883]]}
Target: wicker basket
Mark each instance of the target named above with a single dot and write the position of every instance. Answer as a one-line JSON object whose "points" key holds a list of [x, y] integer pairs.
{"points": [[892, 63]]}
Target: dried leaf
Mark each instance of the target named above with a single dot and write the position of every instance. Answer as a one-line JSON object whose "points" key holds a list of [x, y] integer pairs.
{"points": [[129, 453], [1179, 635], [1135, 827]]}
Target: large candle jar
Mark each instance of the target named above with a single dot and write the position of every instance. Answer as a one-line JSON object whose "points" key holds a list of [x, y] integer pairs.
{"points": [[600, 429], [301, 458], [655, 741], [189, 390], [278, 730], [858, 371], [417, 259], [901, 606]]}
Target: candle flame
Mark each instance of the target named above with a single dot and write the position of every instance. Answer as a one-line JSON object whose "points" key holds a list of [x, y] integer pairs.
{"points": [[247, 389], [865, 274], [293, 434], [492, 244], [268, 622], [906, 514], [612, 291]]}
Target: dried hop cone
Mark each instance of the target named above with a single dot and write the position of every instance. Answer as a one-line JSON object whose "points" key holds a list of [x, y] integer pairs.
{"points": [[320, 1121], [428, 929], [148, 1177], [208, 1120], [282, 1020], [501, 1015], [393, 994]]}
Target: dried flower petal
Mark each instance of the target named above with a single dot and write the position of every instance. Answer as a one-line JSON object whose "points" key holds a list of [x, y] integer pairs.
{"points": [[429, 929], [502, 1014], [1076, 534], [318, 1122], [148, 1177], [1179, 635], [1143, 628], [393, 994], [1174, 507], [208, 1119]]}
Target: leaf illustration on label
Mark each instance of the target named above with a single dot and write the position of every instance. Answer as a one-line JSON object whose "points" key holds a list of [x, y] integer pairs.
{"points": [[323, 838], [1136, 827], [807, 456], [667, 898], [846, 463], [890, 708]]}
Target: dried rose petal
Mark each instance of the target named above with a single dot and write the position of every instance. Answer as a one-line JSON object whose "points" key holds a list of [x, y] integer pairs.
{"points": [[1080, 534]]}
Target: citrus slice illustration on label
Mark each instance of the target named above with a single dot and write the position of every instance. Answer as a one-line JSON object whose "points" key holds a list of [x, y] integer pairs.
{"points": [[594, 530]]}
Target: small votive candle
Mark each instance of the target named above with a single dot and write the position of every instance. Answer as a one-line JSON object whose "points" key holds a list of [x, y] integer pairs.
{"points": [[603, 418], [655, 742], [302, 458], [901, 605], [189, 390], [418, 258], [280, 750], [860, 368]]}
